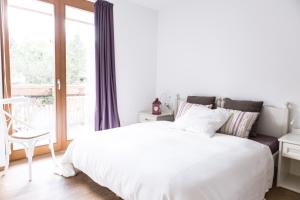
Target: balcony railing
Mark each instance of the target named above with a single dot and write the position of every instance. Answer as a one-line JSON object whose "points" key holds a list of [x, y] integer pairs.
{"points": [[34, 90], [40, 113]]}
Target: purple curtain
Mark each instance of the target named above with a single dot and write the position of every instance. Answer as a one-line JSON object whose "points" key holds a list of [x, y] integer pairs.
{"points": [[106, 114]]}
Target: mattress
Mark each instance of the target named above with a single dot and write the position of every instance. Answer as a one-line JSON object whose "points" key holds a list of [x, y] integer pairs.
{"points": [[271, 142], [153, 161]]}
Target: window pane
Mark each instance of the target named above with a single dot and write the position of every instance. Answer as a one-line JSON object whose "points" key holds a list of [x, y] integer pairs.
{"points": [[31, 37], [80, 46]]}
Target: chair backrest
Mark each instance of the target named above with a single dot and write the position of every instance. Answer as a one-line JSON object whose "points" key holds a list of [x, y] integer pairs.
{"points": [[6, 118], [14, 100], [3, 123]]}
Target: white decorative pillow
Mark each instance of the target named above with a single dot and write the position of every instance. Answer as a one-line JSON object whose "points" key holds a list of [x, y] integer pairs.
{"points": [[239, 124], [185, 106], [201, 119]]}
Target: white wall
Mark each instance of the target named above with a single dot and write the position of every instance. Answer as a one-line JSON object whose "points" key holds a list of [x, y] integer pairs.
{"points": [[246, 49], [136, 50]]}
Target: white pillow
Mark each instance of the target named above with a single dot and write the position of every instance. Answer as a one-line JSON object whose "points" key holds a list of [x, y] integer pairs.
{"points": [[202, 120], [185, 106], [239, 123]]}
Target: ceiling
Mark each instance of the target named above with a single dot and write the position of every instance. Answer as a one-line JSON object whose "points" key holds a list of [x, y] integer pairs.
{"points": [[154, 4]]}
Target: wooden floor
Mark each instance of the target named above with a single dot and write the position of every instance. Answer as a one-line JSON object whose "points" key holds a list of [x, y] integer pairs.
{"points": [[45, 185]]}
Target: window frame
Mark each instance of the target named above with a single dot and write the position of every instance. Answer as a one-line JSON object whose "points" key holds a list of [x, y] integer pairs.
{"points": [[60, 67]]}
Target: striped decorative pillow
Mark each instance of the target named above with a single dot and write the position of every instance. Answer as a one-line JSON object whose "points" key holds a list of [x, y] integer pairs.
{"points": [[239, 123], [185, 106]]}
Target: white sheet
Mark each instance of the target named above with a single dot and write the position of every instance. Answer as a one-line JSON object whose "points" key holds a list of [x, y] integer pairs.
{"points": [[151, 161]]}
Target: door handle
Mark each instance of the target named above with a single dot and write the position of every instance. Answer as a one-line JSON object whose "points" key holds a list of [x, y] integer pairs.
{"points": [[58, 84]]}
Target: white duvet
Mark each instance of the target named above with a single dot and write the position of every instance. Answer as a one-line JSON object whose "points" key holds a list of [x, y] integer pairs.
{"points": [[151, 161]]}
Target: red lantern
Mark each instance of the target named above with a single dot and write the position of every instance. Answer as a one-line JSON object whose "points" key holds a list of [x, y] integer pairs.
{"points": [[156, 107]]}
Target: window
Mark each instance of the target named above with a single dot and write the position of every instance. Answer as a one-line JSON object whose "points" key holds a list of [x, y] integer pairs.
{"points": [[32, 61], [51, 60], [80, 48]]}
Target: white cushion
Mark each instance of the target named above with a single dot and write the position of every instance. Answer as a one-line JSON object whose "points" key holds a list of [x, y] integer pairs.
{"points": [[184, 106], [240, 123], [202, 120]]}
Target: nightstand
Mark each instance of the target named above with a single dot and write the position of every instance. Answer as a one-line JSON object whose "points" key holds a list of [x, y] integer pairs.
{"points": [[289, 162], [146, 116]]}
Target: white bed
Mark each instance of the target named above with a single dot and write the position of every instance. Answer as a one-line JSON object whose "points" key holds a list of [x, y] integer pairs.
{"points": [[151, 161]]}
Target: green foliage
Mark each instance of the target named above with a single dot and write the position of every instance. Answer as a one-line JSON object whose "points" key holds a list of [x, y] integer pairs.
{"points": [[33, 61], [76, 61]]}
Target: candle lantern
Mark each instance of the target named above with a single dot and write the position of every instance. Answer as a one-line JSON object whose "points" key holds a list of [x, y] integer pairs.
{"points": [[156, 107]]}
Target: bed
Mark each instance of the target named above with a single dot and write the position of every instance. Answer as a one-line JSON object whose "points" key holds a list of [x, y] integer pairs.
{"points": [[270, 141], [152, 161]]}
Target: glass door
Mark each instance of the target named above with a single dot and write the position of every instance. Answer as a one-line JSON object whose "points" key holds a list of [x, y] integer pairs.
{"points": [[50, 59], [31, 28], [80, 75]]}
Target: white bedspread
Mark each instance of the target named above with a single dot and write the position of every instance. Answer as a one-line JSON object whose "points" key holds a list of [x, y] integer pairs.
{"points": [[151, 161]]}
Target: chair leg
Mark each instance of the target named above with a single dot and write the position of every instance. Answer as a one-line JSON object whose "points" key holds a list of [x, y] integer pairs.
{"points": [[7, 153], [51, 147], [29, 154]]}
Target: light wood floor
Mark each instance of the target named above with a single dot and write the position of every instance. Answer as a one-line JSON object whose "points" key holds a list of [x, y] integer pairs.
{"points": [[45, 185]]}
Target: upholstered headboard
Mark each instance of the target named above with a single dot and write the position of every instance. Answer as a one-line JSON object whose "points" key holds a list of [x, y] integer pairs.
{"points": [[273, 121]]}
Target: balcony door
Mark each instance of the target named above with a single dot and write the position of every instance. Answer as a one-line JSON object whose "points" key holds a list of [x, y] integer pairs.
{"points": [[80, 74], [51, 61]]}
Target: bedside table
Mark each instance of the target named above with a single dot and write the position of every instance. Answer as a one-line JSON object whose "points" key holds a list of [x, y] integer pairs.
{"points": [[146, 116], [289, 162]]}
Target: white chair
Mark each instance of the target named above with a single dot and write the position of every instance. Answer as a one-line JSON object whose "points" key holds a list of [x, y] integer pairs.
{"points": [[26, 135]]}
